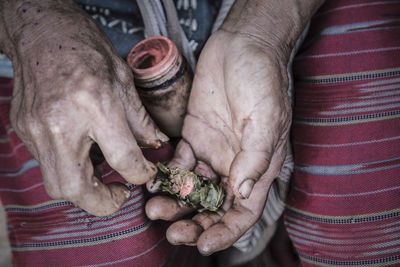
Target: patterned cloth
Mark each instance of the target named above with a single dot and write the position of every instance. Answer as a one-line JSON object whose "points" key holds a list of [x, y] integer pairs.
{"points": [[46, 232], [121, 21], [344, 204], [117, 19]]}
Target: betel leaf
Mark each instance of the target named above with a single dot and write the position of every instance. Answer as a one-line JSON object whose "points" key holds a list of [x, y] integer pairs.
{"points": [[194, 190]]}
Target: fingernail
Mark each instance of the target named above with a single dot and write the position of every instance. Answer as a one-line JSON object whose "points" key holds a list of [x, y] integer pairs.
{"points": [[246, 187], [153, 186], [161, 136]]}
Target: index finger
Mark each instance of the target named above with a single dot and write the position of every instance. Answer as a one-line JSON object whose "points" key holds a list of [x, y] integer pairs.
{"points": [[77, 182], [119, 147]]}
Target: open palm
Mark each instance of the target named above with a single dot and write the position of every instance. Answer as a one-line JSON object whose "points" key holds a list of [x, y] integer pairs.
{"points": [[236, 128]]}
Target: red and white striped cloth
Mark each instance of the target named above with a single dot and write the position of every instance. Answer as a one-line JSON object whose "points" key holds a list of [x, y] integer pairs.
{"points": [[344, 204]]}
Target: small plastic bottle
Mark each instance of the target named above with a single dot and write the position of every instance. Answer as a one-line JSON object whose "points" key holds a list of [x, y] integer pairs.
{"points": [[163, 81]]}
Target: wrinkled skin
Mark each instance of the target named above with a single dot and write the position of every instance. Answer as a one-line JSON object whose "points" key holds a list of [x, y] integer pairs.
{"points": [[237, 126], [71, 90]]}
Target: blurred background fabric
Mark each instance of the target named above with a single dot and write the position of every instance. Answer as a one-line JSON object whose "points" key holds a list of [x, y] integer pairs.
{"points": [[5, 251]]}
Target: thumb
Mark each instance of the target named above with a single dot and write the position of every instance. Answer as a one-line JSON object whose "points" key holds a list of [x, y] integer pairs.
{"points": [[249, 166], [262, 154], [246, 170], [183, 158]]}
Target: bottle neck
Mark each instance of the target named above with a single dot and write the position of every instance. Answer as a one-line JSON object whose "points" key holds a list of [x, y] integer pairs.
{"points": [[154, 61]]}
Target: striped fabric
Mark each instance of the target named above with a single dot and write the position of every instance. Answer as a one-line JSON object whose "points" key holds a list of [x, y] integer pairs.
{"points": [[344, 204], [45, 232]]}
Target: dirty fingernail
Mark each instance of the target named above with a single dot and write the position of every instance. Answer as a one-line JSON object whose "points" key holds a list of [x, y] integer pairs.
{"points": [[246, 187], [153, 186], [161, 136]]}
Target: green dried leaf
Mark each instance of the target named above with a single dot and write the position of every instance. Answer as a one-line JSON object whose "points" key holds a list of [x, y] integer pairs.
{"points": [[195, 190]]}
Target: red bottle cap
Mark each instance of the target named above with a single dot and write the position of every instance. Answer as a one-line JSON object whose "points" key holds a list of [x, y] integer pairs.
{"points": [[154, 58]]}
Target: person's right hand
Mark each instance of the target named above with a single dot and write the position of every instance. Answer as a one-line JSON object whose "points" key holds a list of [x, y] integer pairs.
{"points": [[71, 90]]}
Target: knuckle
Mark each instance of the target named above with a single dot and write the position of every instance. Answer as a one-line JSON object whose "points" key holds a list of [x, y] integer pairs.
{"points": [[20, 124], [19, 118], [86, 90], [54, 118], [54, 194], [27, 127], [50, 185], [93, 94], [55, 124], [72, 191], [124, 158], [117, 159]]}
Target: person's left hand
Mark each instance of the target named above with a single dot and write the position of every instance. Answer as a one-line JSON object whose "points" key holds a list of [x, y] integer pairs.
{"points": [[237, 127]]}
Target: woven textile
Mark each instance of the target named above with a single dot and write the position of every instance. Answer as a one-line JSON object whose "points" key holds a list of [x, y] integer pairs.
{"points": [[344, 204], [46, 232]]}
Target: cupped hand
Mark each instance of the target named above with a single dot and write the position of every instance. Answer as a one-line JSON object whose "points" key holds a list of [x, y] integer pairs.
{"points": [[72, 90], [236, 128]]}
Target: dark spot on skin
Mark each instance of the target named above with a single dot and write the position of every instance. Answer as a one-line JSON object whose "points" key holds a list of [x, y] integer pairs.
{"points": [[73, 48], [60, 47], [23, 10], [136, 160], [39, 10], [36, 23], [212, 92], [79, 164], [37, 63]]}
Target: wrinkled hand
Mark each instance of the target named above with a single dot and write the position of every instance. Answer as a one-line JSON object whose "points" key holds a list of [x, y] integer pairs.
{"points": [[71, 90], [237, 127]]}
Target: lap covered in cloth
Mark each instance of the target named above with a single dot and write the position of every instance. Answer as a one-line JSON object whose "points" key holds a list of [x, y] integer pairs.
{"points": [[46, 232], [344, 203]]}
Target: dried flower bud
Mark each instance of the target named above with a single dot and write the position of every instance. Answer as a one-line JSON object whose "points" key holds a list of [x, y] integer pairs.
{"points": [[195, 190]]}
